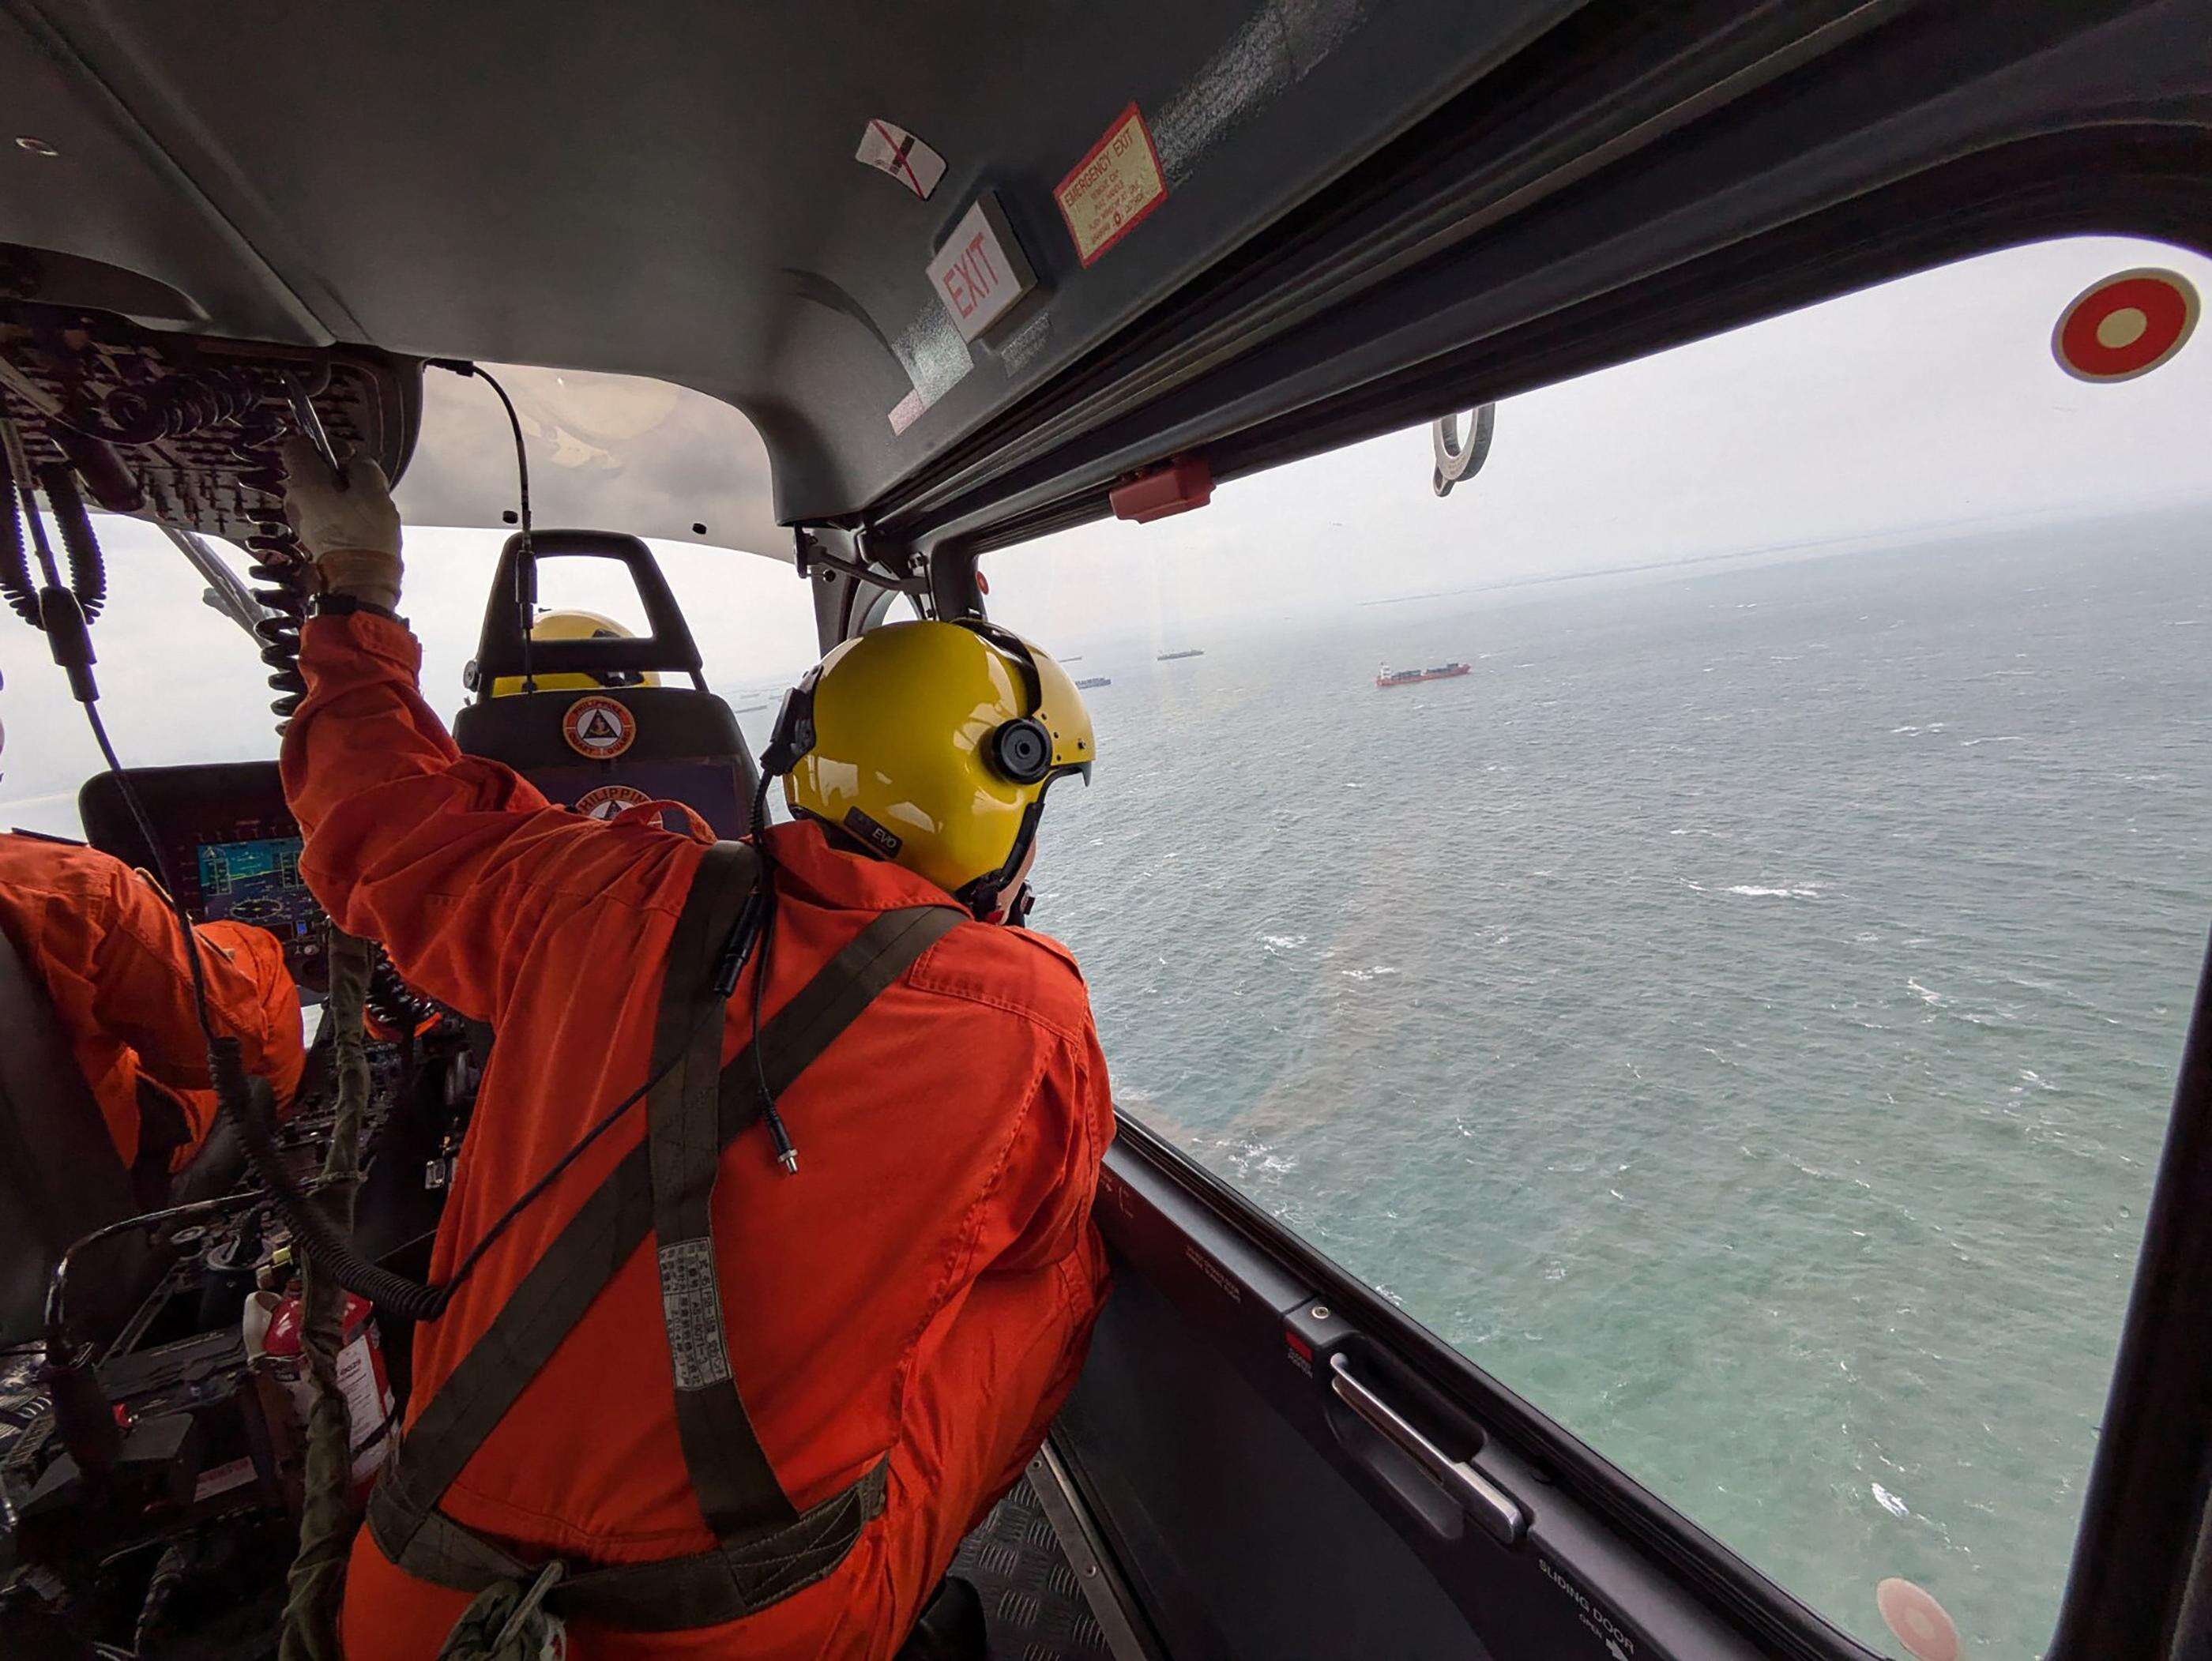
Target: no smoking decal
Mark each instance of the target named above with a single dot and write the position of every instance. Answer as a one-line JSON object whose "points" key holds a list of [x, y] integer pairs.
{"points": [[598, 728], [890, 148], [2125, 325]]}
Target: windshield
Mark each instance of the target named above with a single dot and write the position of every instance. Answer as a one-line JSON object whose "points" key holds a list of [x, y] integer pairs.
{"points": [[1732, 987], [607, 452], [180, 683]]}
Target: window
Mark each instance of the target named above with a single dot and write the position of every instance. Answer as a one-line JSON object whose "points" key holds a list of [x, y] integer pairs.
{"points": [[1741, 1012]]}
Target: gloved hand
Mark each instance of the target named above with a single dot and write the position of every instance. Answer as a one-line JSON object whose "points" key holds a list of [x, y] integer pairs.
{"points": [[352, 533]]}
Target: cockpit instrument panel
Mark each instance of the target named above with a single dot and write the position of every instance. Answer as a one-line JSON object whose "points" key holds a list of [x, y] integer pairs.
{"points": [[258, 882]]}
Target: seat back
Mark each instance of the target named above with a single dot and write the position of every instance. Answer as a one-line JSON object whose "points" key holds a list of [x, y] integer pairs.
{"points": [[60, 1176], [605, 749]]}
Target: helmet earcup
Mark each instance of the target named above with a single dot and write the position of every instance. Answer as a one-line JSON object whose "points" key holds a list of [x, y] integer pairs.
{"points": [[1021, 750]]}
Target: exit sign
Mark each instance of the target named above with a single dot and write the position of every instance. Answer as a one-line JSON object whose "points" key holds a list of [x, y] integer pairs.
{"points": [[980, 273]]}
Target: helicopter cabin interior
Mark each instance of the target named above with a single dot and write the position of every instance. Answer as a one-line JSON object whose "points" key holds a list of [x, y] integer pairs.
{"points": [[848, 300]]}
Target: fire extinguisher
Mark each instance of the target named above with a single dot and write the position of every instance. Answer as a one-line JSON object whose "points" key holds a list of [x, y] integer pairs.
{"points": [[363, 1379]]}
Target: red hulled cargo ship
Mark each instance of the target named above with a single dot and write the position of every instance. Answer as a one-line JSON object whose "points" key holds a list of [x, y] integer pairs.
{"points": [[1388, 676]]}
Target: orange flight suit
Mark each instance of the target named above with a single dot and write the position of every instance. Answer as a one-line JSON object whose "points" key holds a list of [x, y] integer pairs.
{"points": [[923, 1288], [105, 945]]}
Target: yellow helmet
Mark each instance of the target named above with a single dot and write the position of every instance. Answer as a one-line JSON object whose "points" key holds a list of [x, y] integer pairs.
{"points": [[933, 745], [576, 626]]}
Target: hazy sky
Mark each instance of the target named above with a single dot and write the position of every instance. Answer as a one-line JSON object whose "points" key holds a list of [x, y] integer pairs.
{"points": [[1929, 400]]}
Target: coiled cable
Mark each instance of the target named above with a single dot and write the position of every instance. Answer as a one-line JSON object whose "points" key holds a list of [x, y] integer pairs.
{"points": [[396, 1005], [16, 585], [87, 569], [284, 576]]}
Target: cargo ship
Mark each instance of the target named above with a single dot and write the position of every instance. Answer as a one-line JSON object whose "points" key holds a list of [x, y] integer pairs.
{"points": [[1187, 652], [1387, 676], [1094, 681]]}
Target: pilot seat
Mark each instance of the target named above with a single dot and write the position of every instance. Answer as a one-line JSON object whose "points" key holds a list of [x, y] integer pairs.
{"points": [[602, 737], [60, 1176]]}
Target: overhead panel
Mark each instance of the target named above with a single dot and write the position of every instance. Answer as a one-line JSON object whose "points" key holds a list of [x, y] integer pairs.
{"points": [[748, 200]]}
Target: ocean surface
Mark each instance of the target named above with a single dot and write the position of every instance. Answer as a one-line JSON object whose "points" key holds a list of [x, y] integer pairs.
{"points": [[1742, 1014]]}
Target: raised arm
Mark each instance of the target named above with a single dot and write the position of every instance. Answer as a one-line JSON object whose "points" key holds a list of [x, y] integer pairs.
{"points": [[455, 865]]}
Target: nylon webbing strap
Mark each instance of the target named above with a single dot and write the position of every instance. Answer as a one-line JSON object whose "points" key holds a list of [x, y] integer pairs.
{"points": [[609, 1226], [606, 1230], [673, 1594], [732, 1478], [828, 1004]]}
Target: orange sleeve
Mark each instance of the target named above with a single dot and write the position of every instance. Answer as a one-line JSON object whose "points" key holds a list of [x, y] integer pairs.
{"points": [[997, 1365], [1051, 1174], [265, 1016], [142, 989], [455, 865], [1054, 1266]]}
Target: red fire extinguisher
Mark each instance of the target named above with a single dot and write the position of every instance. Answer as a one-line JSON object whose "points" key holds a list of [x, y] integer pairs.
{"points": [[362, 1379]]}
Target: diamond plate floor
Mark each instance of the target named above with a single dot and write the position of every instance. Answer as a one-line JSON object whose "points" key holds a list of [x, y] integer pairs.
{"points": [[1033, 1602]]}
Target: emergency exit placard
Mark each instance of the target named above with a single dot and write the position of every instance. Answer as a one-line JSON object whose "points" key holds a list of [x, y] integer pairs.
{"points": [[979, 272], [1112, 188]]}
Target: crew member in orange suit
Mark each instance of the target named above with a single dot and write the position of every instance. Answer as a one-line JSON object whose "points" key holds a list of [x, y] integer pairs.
{"points": [[105, 945], [742, 1403]]}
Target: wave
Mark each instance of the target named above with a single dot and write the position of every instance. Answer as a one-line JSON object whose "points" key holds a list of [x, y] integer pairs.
{"points": [[1754, 891], [1934, 1000], [1251, 1158], [1276, 944], [1888, 1501], [1374, 974]]}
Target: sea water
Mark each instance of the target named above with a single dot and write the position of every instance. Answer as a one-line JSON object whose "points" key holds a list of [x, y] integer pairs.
{"points": [[1742, 1014]]}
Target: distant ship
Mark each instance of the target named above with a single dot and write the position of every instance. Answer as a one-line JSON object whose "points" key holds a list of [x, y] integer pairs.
{"points": [[1095, 681], [1191, 651], [1388, 676]]}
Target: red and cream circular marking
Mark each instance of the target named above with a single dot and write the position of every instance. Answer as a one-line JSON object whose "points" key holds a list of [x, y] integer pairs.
{"points": [[1919, 1621], [598, 728], [611, 801], [2125, 325]]}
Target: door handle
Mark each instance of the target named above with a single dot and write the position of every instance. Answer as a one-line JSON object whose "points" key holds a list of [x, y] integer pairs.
{"points": [[1498, 1512]]}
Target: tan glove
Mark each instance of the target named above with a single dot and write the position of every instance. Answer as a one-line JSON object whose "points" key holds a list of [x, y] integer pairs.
{"points": [[352, 534]]}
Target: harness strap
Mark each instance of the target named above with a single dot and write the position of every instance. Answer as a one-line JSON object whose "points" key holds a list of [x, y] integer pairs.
{"points": [[730, 1477], [755, 1562], [673, 1594]]}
